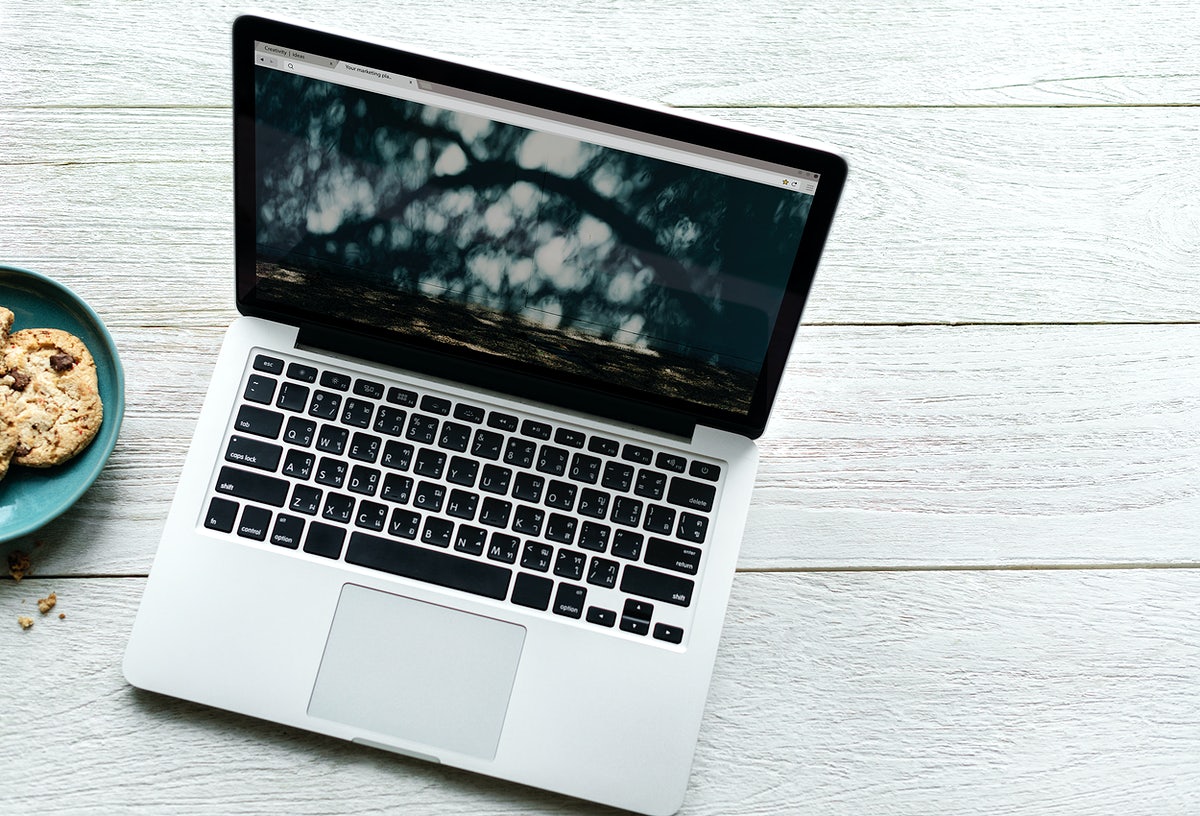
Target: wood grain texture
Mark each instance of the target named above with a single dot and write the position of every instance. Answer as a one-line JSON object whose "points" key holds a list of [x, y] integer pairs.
{"points": [[890, 447], [694, 52], [978, 693], [950, 215]]}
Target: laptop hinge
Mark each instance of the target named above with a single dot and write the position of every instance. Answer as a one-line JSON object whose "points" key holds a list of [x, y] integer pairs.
{"points": [[581, 399]]}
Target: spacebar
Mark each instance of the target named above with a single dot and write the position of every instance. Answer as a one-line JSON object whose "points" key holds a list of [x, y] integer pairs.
{"points": [[428, 565]]}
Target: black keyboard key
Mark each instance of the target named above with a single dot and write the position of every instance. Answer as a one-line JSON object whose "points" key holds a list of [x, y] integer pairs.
{"points": [[255, 522], [332, 439], [324, 539], [670, 461], [396, 488], [537, 556], [650, 484], [455, 436], [287, 531], [601, 617], [298, 464], [253, 453], [659, 519], [371, 516], [430, 463], [584, 468], [260, 389], [435, 405], [561, 495], [495, 513], [396, 455], [627, 545], [429, 496], [603, 572], [461, 504], [252, 486], [692, 495], [692, 527], [299, 432], [364, 447], [569, 599], [670, 634], [569, 437], [635, 617], [635, 626], [423, 429], [258, 421], [462, 471], [535, 430], [292, 396], [335, 380], [561, 529], [503, 547], [402, 396], [358, 413], [434, 567], [305, 499], [627, 511], [617, 476], [593, 503], [325, 404], [368, 388], [331, 472], [338, 507], [603, 445], [658, 586], [301, 372], [593, 536], [520, 452], [705, 470], [528, 487], [469, 413], [404, 524], [470, 540], [503, 422], [363, 480], [552, 460], [390, 421], [528, 520], [487, 444], [672, 555], [221, 515], [437, 532], [495, 479], [569, 564], [271, 365], [637, 454], [532, 591]]}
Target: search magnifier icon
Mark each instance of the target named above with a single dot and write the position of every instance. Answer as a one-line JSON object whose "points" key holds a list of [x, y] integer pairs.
{"points": [[291, 67]]}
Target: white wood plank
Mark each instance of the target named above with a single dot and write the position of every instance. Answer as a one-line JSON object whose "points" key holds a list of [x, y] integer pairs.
{"points": [[754, 52], [1059, 692], [895, 447], [950, 216]]}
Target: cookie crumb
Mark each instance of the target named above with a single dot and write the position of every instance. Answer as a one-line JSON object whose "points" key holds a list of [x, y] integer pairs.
{"points": [[18, 564], [62, 361], [25, 621], [47, 603], [62, 615]]}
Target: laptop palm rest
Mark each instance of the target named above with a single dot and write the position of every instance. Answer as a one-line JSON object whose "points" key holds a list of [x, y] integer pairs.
{"points": [[417, 672]]}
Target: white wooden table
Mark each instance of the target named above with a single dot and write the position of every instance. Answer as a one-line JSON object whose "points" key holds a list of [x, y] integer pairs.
{"points": [[971, 579]]}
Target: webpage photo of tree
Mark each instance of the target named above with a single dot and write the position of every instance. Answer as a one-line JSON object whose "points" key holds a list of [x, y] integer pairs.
{"points": [[518, 243]]}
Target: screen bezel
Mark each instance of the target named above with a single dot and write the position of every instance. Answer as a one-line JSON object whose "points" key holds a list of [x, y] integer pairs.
{"points": [[625, 405]]}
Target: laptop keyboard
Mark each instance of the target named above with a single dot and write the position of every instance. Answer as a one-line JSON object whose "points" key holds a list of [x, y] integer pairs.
{"points": [[467, 496]]}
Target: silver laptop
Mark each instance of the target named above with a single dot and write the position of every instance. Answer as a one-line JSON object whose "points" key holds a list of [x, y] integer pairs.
{"points": [[471, 477]]}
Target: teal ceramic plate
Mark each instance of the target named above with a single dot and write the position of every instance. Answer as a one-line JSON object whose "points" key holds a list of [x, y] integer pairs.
{"points": [[30, 497]]}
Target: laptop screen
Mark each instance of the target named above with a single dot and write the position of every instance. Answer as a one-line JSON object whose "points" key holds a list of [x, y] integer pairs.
{"points": [[528, 237]]}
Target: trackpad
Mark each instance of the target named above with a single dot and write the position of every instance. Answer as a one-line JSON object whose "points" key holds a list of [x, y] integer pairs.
{"points": [[417, 671]]}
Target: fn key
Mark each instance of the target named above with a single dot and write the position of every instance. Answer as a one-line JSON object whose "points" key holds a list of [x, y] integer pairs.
{"points": [[221, 515]]}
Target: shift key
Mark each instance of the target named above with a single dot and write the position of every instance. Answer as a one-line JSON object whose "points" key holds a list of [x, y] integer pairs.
{"points": [[251, 486]]}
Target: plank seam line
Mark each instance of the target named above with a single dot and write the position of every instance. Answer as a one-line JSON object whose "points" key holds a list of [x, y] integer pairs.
{"points": [[1109, 567]]}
